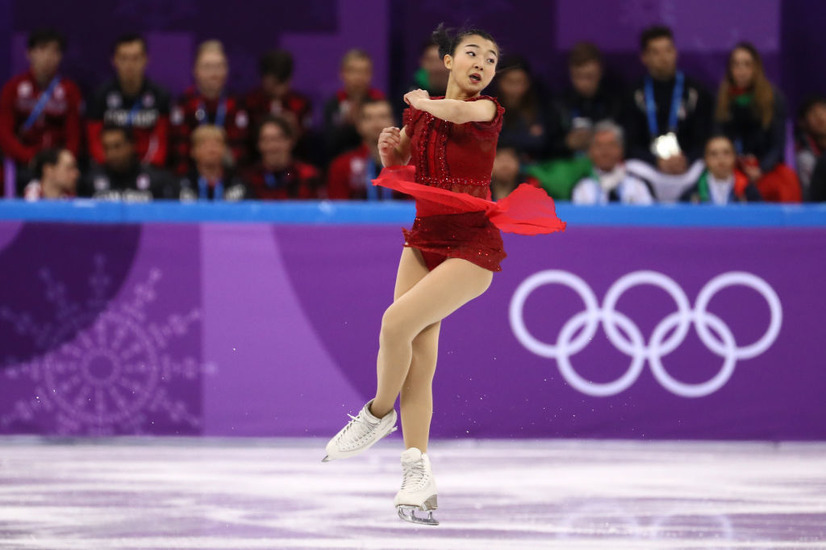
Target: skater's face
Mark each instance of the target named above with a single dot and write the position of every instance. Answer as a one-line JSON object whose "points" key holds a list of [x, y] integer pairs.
{"points": [[473, 63], [720, 158]]}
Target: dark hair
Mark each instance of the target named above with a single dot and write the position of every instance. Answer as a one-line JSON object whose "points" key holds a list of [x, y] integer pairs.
{"points": [[43, 158], [276, 63], [125, 130], [513, 61], [653, 33], [42, 37], [717, 135], [449, 39], [279, 121], [808, 103], [583, 53], [128, 38]]}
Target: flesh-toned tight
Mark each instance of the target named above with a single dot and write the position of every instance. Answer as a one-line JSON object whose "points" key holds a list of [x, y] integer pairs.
{"points": [[409, 339]]}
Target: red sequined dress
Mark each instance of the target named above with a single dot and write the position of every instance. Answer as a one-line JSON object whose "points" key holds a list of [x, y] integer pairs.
{"points": [[449, 176]]}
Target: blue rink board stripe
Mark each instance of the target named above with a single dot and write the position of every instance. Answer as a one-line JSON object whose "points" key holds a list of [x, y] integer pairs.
{"points": [[395, 213]]}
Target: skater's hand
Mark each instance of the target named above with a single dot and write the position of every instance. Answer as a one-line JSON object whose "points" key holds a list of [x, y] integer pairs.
{"points": [[416, 97], [389, 139], [394, 147]]}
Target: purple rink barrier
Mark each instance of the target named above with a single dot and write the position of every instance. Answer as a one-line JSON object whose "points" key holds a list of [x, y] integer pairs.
{"points": [[271, 329]]}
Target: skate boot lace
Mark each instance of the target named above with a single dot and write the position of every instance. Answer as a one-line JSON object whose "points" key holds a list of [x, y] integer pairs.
{"points": [[415, 476], [357, 429]]}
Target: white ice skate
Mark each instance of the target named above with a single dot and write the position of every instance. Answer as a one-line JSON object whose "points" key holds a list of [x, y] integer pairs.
{"points": [[418, 492], [361, 433]]}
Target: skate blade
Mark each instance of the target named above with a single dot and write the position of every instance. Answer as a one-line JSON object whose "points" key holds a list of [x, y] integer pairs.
{"points": [[326, 459], [408, 513]]}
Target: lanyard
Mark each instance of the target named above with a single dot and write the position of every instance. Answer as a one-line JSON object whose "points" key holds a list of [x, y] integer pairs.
{"points": [[134, 111], [374, 193], [41, 104], [220, 113], [651, 104], [269, 179], [203, 190]]}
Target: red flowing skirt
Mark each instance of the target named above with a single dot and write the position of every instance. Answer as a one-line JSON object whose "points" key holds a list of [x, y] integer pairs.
{"points": [[458, 225]]}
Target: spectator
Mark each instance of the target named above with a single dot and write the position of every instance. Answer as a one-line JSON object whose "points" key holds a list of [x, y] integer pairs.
{"points": [[817, 188], [586, 102], [721, 183], [432, 73], [752, 113], [55, 175], [350, 175], [524, 126], [811, 139], [669, 119], [278, 175], [506, 174], [340, 111], [609, 181], [275, 95], [208, 102], [121, 175], [130, 100], [210, 178], [39, 109]]}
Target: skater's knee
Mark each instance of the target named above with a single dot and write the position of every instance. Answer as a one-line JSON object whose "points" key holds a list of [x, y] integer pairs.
{"points": [[394, 327]]}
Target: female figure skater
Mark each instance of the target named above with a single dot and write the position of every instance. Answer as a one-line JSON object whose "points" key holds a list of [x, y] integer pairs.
{"points": [[450, 253]]}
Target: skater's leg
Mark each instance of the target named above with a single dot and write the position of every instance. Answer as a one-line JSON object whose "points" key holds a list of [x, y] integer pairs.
{"points": [[412, 269], [438, 294], [417, 390]]}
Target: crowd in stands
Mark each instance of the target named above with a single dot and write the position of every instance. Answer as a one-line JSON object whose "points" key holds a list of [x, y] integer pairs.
{"points": [[666, 139]]}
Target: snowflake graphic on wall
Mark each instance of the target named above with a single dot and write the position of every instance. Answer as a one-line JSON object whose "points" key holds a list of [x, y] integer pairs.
{"points": [[114, 375]]}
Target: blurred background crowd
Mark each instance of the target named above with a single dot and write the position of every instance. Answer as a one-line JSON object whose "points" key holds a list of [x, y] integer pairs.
{"points": [[591, 140]]}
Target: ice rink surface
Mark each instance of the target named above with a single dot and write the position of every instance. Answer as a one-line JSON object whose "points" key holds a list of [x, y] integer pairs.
{"points": [[493, 495]]}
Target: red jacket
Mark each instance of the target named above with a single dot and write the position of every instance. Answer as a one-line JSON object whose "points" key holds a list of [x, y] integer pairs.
{"points": [[298, 181], [57, 126], [293, 106], [193, 110], [147, 115]]}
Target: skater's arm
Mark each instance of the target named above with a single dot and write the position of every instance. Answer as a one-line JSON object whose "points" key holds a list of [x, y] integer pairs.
{"points": [[452, 110], [394, 147]]}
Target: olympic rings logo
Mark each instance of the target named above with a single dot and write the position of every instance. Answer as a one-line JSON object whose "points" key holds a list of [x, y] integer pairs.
{"points": [[625, 335]]}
